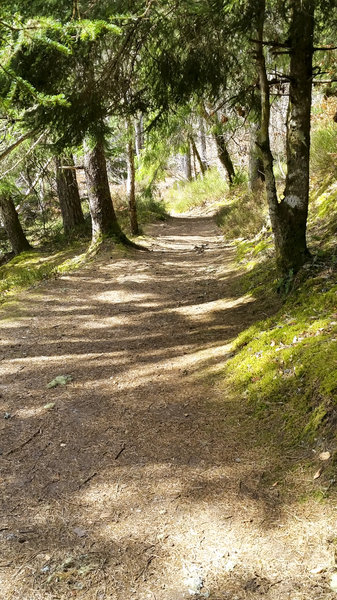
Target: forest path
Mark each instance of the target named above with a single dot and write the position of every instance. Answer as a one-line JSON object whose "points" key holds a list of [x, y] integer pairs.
{"points": [[140, 478]]}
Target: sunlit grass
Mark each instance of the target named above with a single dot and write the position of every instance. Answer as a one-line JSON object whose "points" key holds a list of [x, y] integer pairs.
{"points": [[31, 267], [184, 195]]}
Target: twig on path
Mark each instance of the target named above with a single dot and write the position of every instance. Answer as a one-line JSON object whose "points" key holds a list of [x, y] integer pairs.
{"points": [[37, 432], [87, 480], [120, 452], [34, 555], [148, 562]]}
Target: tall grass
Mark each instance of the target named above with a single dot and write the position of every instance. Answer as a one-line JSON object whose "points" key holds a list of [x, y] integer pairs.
{"points": [[324, 149], [244, 214], [185, 195]]}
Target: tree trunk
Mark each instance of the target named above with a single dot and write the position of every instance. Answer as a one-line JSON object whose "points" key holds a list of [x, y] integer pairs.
{"points": [[103, 216], [69, 197], [139, 131], [256, 170], [203, 143], [289, 217], [224, 156], [12, 225], [293, 209], [264, 138], [188, 163], [197, 156], [130, 184]]}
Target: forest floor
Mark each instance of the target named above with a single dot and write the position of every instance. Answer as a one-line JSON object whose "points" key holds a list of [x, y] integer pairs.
{"points": [[142, 477]]}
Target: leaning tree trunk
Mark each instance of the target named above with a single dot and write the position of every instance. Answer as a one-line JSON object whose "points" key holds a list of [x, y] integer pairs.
{"points": [[69, 197], [130, 183], [197, 156], [220, 142], [12, 225], [103, 216], [289, 217], [224, 156]]}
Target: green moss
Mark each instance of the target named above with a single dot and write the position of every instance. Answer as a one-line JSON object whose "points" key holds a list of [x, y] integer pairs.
{"points": [[285, 366], [316, 495], [315, 421], [31, 267]]}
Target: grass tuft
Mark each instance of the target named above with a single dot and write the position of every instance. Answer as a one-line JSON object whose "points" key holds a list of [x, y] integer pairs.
{"points": [[186, 195]]}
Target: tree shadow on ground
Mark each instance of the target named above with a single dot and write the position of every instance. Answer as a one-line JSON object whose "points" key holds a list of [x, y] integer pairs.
{"points": [[139, 468]]}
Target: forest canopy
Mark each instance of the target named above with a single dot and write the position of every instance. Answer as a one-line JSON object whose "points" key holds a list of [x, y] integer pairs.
{"points": [[69, 71]]}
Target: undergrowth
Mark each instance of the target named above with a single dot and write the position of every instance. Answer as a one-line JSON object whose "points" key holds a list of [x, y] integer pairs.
{"points": [[243, 214], [185, 195], [149, 209], [285, 366], [55, 253], [35, 265]]}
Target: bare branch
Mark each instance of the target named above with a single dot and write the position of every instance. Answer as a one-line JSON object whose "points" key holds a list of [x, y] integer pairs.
{"points": [[324, 48], [16, 144], [3, 175]]}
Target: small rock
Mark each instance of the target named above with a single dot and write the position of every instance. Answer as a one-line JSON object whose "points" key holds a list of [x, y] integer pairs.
{"points": [[7, 415], [80, 532], [318, 570], [60, 380], [324, 455], [45, 569], [333, 582]]}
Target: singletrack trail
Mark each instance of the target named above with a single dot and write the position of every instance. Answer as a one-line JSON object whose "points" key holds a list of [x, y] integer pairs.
{"points": [[141, 477]]}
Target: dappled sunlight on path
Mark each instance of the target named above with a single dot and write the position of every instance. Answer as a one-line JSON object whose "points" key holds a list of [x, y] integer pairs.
{"points": [[140, 478]]}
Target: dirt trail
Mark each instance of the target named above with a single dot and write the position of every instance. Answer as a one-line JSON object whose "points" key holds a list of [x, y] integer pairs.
{"points": [[139, 478]]}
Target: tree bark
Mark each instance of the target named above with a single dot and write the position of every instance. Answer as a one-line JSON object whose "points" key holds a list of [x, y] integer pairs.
{"points": [[264, 139], [103, 216], [256, 170], [139, 137], [293, 209], [224, 156], [203, 143], [130, 184], [289, 217], [12, 225], [221, 147], [188, 163], [197, 156], [69, 197]]}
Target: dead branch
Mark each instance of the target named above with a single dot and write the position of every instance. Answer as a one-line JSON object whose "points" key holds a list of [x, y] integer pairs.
{"points": [[16, 144], [36, 433]]}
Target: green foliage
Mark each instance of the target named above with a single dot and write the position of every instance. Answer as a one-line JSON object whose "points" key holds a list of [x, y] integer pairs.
{"points": [[57, 76], [150, 209]]}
